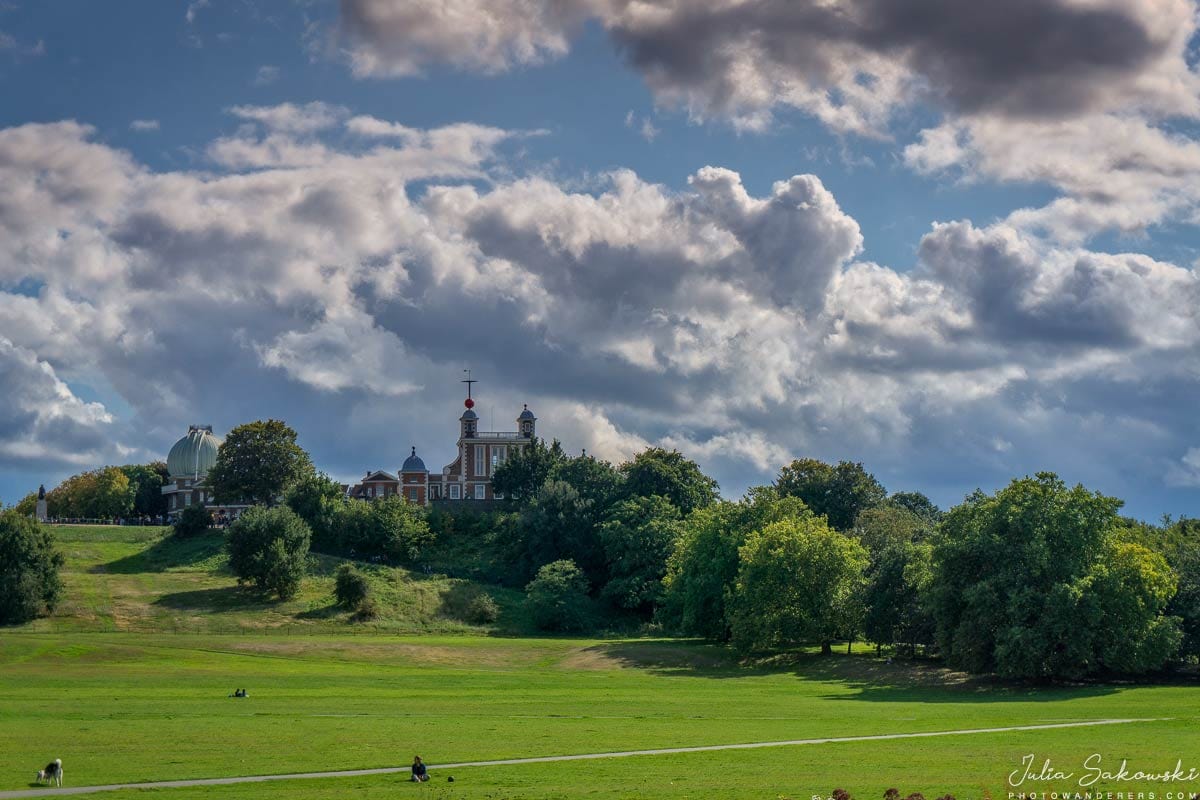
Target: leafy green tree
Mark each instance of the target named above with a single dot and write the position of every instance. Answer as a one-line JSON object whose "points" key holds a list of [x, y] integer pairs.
{"points": [[880, 526], [192, 521], [318, 499], [27, 505], [838, 492], [598, 482], [268, 547], [257, 463], [147, 481], [114, 494], [557, 598], [1033, 581], [388, 527], [703, 566], [669, 474], [350, 586], [898, 577], [638, 536], [1185, 605], [558, 525], [29, 582], [523, 473], [918, 504], [799, 581]]}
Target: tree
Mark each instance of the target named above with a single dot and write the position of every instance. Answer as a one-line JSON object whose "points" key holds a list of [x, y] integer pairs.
{"points": [[147, 481], [918, 504], [192, 521], [114, 494], [557, 598], [638, 536], [799, 581], [1185, 605], [29, 582], [838, 492], [558, 525], [257, 463], [389, 527], [27, 505], [523, 473], [897, 579], [268, 547], [881, 526], [598, 482], [703, 566], [318, 499], [1034, 582], [668, 473], [350, 586]]}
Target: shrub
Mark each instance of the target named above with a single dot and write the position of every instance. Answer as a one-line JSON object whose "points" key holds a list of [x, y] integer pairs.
{"points": [[192, 521], [557, 598], [268, 547], [367, 610], [29, 564], [390, 527], [351, 586], [470, 604]]}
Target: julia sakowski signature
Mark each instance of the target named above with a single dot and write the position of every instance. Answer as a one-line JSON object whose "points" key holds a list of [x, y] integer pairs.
{"points": [[1093, 771]]}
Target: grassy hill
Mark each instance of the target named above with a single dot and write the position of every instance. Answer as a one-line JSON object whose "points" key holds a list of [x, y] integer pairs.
{"points": [[143, 579]]}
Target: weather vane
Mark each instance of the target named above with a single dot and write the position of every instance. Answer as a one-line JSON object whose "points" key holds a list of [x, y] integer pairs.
{"points": [[469, 402]]}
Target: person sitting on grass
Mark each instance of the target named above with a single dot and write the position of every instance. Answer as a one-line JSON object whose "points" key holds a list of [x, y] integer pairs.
{"points": [[418, 770]]}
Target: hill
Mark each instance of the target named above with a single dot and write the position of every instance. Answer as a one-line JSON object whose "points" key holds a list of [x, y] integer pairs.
{"points": [[144, 579]]}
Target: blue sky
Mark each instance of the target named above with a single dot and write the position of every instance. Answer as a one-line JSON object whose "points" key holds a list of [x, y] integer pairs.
{"points": [[984, 268]]}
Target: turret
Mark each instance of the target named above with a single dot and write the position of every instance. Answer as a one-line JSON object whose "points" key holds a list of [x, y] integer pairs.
{"points": [[526, 423]]}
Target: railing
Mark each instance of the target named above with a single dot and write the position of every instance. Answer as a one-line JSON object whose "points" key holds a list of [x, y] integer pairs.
{"points": [[497, 435]]}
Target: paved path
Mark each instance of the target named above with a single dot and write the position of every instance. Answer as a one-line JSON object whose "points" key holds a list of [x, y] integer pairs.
{"points": [[352, 773]]}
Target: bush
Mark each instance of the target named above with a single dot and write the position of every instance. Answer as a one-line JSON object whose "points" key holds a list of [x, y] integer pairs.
{"points": [[390, 528], [367, 610], [557, 598], [470, 604], [192, 521], [29, 564], [268, 547], [351, 586]]}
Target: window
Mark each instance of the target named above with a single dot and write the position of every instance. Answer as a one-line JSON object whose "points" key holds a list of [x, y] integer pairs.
{"points": [[412, 495], [499, 453], [187, 499], [454, 491], [435, 492], [481, 491], [480, 463]]}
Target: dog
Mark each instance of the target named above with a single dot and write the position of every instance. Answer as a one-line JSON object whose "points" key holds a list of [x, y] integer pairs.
{"points": [[53, 773]]}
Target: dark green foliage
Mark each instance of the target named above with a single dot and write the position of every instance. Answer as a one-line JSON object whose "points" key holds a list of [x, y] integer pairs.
{"points": [[257, 463], [350, 586], [799, 581], [389, 528], [476, 545], [1186, 603], [1033, 582], [268, 547], [669, 474], [522, 475], [596, 481], [918, 504], [838, 492], [471, 604], [703, 567], [897, 578], [881, 526], [29, 582], [557, 598], [638, 536], [318, 499], [147, 481], [558, 524], [192, 521]]}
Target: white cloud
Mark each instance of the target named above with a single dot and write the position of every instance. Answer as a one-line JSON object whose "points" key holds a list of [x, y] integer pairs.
{"points": [[144, 125]]}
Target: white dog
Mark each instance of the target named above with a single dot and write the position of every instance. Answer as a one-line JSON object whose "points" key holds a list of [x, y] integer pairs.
{"points": [[52, 773]]}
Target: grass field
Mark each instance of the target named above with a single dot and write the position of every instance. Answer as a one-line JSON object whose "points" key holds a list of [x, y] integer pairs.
{"points": [[132, 705]]}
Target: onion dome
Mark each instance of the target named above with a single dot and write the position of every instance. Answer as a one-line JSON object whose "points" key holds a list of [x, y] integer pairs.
{"points": [[413, 463], [193, 455]]}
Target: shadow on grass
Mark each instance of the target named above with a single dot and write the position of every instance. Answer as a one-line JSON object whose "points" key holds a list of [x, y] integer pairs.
{"points": [[325, 613], [167, 553], [218, 599], [873, 678]]}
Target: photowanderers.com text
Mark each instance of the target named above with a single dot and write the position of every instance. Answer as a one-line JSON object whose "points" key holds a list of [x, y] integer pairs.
{"points": [[1093, 771]]}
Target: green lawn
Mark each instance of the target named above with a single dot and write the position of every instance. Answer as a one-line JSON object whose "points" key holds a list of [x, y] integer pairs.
{"points": [[137, 705]]}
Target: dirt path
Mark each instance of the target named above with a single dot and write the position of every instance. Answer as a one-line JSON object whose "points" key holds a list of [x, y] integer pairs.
{"points": [[351, 773]]}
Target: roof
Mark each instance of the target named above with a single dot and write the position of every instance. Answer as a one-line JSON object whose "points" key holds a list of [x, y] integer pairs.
{"points": [[379, 475], [413, 463], [469, 414], [193, 455], [526, 414]]}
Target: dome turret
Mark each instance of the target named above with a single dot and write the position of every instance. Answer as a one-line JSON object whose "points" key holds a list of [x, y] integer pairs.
{"points": [[193, 455], [413, 463]]}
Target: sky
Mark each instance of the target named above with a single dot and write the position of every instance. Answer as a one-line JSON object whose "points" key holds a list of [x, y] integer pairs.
{"points": [[956, 242]]}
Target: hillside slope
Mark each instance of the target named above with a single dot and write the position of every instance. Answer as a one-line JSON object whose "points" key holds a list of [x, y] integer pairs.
{"points": [[143, 579]]}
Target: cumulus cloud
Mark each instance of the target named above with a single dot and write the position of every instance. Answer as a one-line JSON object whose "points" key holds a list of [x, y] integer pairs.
{"points": [[342, 269]]}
